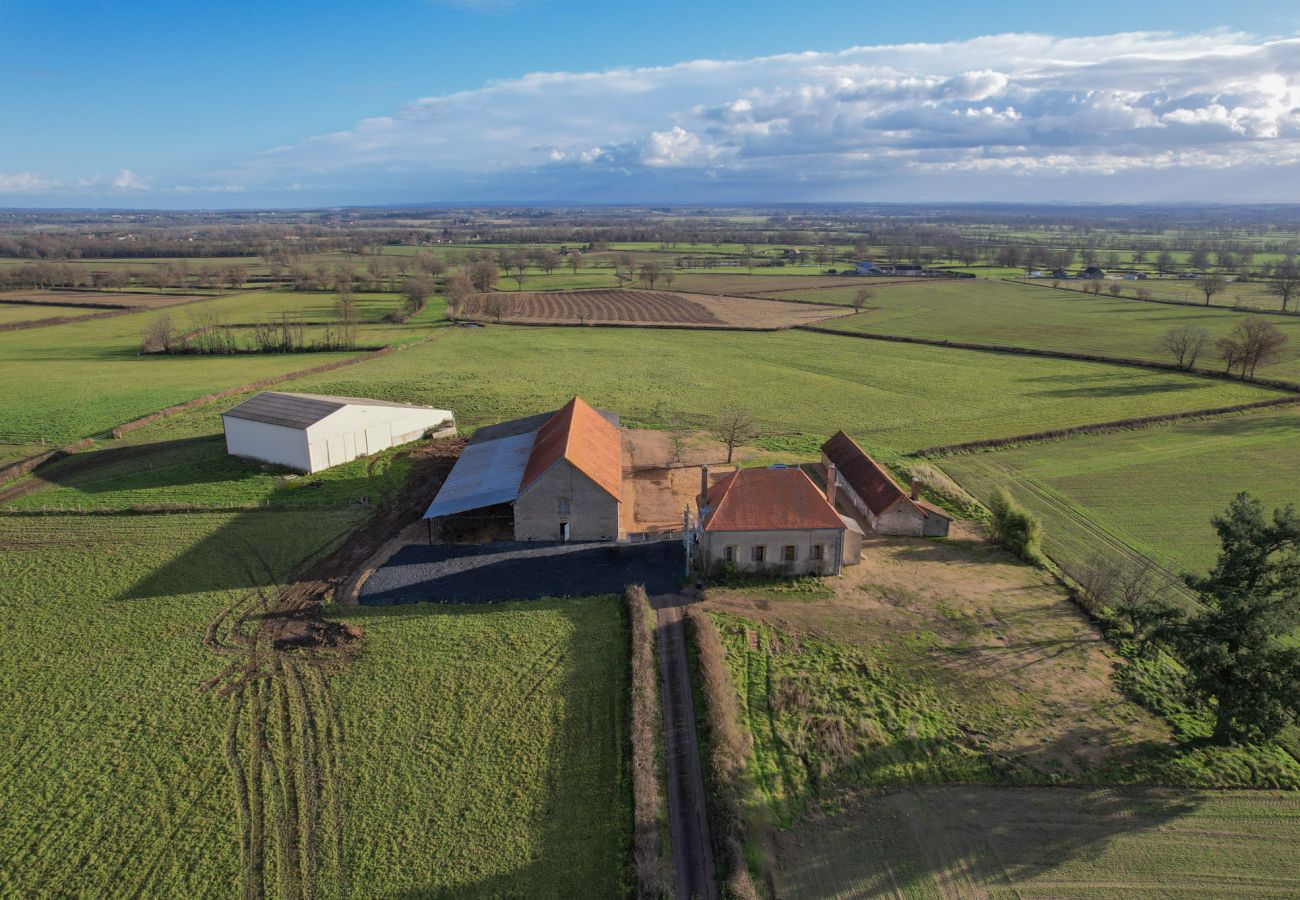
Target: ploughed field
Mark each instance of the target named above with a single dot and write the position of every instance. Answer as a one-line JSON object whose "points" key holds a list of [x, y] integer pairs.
{"points": [[642, 307]]}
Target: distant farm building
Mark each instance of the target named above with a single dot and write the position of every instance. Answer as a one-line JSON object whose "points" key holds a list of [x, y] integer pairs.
{"points": [[561, 472], [1093, 273], [886, 507], [776, 520], [867, 267], [311, 432]]}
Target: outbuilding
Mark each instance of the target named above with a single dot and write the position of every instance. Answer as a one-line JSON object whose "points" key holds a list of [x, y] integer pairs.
{"points": [[311, 432], [864, 483]]}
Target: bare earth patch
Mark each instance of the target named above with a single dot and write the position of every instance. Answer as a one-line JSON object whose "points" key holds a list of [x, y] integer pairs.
{"points": [[642, 307], [657, 485], [994, 624]]}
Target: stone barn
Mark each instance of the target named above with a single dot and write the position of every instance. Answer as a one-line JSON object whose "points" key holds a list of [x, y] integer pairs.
{"points": [[561, 473], [311, 432], [770, 520], [863, 483]]}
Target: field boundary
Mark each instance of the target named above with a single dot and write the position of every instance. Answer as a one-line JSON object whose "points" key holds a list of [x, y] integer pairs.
{"points": [[1166, 302], [1101, 428], [1278, 383]]}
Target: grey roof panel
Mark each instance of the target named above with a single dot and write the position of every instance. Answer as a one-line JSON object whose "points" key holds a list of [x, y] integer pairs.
{"points": [[486, 474], [526, 425], [300, 410]]}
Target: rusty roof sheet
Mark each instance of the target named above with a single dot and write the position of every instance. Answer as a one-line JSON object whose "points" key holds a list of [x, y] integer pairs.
{"points": [[867, 477], [583, 437], [768, 500]]}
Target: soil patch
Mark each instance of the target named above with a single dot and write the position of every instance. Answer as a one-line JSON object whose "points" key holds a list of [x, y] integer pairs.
{"points": [[645, 308]]}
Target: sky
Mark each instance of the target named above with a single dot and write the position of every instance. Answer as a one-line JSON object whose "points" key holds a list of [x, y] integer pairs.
{"points": [[291, 104]]}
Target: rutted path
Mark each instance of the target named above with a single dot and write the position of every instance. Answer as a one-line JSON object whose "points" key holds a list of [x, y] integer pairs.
{"points": [[688, 823]]}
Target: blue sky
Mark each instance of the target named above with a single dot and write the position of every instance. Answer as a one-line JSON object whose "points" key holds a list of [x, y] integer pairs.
{"points": [[295, 104]]}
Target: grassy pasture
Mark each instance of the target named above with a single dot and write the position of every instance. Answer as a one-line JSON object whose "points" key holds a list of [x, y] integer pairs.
{"points": [[1006, 313], [13, 312], [1048, 842], [500, 767], [1149, 491], [801, 386], [113, 778]]}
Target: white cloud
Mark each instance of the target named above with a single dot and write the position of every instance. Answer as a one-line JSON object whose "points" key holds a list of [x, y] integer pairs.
{"points": [[24, 183], [126, 180]]}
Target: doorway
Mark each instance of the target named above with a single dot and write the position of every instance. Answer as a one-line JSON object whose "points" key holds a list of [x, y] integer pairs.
{"points": [[564, 531]]}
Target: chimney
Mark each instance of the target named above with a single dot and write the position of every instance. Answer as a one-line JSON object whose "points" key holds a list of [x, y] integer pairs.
{"points": [[916, 489], [832, 476], [704, 481]]}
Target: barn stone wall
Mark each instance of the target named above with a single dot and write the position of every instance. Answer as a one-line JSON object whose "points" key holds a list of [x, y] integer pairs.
{"points": [[592, 516]]}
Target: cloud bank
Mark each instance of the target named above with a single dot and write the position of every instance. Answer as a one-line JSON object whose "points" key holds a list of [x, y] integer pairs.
{"points": [[1142, 116]]}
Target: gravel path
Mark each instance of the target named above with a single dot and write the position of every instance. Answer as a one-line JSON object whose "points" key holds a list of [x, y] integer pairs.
{"points": [[482, 573]]}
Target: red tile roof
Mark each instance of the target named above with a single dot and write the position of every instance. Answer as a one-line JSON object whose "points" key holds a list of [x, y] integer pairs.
{"points": [[768, 500], [584, 437], [868, 478]]}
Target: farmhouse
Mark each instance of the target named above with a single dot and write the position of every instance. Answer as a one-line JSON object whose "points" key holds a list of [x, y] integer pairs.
{"points": [[774, 520], [310, 432], [561, 472], [865, 484]]}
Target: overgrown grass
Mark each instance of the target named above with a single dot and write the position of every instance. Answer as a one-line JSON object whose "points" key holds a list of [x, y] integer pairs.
{"points": [[486, 751]]}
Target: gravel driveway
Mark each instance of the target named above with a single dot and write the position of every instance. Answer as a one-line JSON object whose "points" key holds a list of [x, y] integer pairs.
{"points": [[481, 573]]}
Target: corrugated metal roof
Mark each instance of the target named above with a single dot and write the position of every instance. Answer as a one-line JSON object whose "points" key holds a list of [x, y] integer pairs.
{"points": [[486, 474], [580, 435], [768, 500], [301, 410]]}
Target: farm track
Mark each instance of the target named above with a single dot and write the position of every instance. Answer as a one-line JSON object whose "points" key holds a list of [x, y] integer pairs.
{"points": [[688, 824], [283, 743]]}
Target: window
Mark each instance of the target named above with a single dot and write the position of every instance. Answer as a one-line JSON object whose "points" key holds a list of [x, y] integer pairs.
{"points": [[788, 553], [729, 554], [760, 554], [562, 506], [818, 551]]}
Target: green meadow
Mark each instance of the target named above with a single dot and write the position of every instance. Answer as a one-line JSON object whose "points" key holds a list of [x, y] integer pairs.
{"points": [[1151, 491]]}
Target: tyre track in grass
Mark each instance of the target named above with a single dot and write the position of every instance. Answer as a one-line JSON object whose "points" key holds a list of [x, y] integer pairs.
{"points": [[283, 743]]}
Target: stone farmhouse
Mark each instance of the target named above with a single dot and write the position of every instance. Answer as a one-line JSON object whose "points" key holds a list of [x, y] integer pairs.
{"points": [[887, 508], [561, 473], [773, 520]]}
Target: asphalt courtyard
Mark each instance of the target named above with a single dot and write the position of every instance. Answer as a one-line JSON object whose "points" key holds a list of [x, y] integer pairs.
{"points": [[482, 573]]}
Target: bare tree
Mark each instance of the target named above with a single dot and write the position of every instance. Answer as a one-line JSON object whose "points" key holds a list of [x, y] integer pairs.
{"points": [[575, 261], [1286, 283], [649, 273], [458, 289], [669, 277], [861, 298], [1211, 283], [484, 275], [159, 335], [1261, 343], [1185, 343], [430, 264], [734, 428]]}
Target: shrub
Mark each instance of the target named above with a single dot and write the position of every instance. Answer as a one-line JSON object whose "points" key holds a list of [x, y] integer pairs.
{"points": [[1015, 527]]}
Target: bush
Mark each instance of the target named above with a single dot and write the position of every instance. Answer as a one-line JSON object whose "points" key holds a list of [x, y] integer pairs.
{"points": [[1016, 528]]}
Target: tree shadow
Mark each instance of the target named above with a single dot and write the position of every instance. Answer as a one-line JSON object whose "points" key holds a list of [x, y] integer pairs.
{"points": [[1126, 388]]}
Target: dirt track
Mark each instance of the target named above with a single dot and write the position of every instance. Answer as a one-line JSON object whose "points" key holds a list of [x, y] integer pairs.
{"points": [[688, 822]]}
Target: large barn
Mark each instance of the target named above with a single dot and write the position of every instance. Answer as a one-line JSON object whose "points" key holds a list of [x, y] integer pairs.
{"points": [[310, 432], [887, 508], [775, 519], [561, 472]]}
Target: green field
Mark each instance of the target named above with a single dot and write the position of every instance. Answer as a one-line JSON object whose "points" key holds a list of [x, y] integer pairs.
{"points": [[802, 387], [114, 781], [1048, 842], [997, 312], [486, 751], [1151, 490]]}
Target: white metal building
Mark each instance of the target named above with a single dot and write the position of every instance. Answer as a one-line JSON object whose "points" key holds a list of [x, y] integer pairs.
{"points": [[310, 432]]}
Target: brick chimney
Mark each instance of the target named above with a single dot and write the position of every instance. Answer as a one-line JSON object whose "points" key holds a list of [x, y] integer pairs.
{"points": [[832, 486], [916, 489], [704, 481]]}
